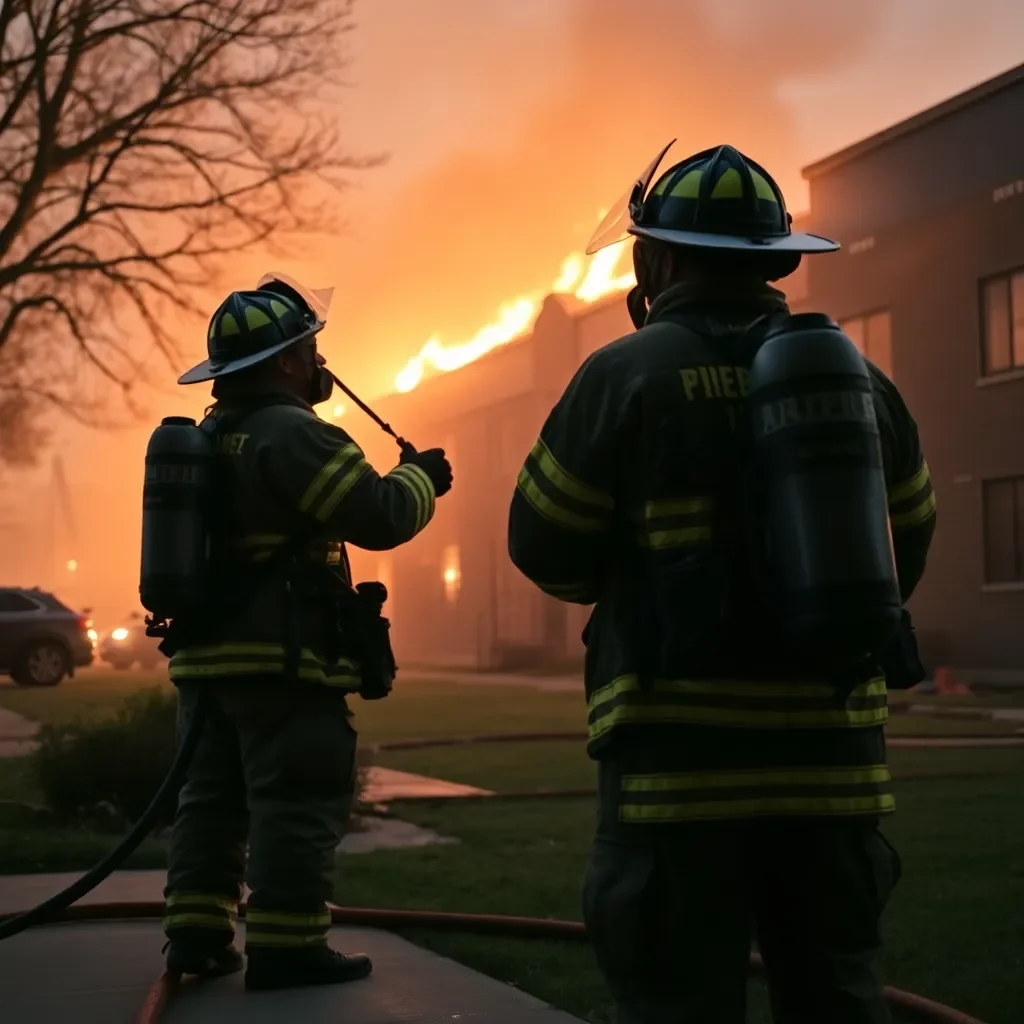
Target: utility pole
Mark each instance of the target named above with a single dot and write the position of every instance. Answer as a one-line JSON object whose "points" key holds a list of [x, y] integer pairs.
{"points": [[63, 543]]}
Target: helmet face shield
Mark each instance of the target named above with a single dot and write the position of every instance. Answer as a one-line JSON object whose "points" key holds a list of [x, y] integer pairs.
{"points": [[318, 299], [715, 199], [616, 224]]}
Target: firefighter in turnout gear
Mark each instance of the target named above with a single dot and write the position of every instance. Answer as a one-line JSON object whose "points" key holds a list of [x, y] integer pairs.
{"points": [[276, 767], [740, 785]]}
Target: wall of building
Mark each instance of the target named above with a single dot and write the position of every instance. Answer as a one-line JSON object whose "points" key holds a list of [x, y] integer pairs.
{"points": [[487, 416], [923, 219], [926, 269], [977, 147]]}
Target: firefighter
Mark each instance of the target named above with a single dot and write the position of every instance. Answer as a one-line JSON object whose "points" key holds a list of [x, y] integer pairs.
{"points": [[740, 792], [275, 767]]}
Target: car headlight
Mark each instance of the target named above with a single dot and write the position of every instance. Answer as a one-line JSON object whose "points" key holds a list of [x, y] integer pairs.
{"points": [[92, 635], [119, 634]]}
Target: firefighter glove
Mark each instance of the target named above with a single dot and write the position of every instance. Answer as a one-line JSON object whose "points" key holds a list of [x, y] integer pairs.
{"points": [[435, 465]]}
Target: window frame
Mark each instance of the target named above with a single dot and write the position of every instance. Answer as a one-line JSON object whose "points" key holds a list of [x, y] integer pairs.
{"points": [[864, 317], [1016, 482], [1014, 369]]}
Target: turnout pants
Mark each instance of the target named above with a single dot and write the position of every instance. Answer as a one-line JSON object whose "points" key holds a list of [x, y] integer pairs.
{"points": [[671, 911], [275, 769]]}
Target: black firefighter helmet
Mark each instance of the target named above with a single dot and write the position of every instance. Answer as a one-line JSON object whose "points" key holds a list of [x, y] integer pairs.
{"points": [[716, 199], [251, 326]]}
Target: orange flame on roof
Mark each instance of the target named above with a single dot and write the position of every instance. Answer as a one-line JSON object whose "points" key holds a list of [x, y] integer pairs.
{"points": [[588, 278]]}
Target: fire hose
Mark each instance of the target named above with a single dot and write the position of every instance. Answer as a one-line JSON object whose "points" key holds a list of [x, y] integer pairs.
{"points": [[59, 908], [49, 909], [12, 925], [916, 1007]]}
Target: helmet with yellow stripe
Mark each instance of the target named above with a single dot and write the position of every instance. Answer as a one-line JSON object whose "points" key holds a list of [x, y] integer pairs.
{"points": [[716, 199], [250, 327]]}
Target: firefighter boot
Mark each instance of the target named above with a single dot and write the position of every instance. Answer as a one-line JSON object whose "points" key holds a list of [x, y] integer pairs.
{"points": [[294, 968], [202, 957]]}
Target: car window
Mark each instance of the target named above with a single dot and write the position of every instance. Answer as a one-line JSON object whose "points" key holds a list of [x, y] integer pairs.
{"points": [[12, 602]]}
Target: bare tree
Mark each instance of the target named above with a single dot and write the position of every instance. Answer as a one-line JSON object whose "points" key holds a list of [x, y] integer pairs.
{"points": [[141, 143]]}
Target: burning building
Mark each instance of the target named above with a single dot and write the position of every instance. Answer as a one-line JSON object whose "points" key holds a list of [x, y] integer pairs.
{"points": [[456, 599], [930, 284]]}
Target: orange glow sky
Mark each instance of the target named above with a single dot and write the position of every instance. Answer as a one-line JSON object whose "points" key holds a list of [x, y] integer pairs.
{"points": [[508, 126]]}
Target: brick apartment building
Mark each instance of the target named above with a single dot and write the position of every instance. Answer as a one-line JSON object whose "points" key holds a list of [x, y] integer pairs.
{"points": [[930, 283]]}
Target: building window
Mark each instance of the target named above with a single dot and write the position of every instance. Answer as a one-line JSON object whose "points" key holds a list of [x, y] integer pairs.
{"points": [[872, 334], [1003, 506], [451, 573], [1002, 322]]}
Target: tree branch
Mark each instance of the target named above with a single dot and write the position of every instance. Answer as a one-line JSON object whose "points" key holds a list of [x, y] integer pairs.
{"points": [[143, 143]]}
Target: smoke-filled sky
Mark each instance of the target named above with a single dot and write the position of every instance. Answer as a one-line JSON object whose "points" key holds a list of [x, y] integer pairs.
{"points": [[509, 126]]}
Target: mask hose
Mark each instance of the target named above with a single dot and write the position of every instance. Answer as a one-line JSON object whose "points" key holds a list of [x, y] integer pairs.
{"points": [[407, 449]]}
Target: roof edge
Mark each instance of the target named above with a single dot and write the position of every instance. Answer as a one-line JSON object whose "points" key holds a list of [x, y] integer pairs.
{"points": [[930, 115]]}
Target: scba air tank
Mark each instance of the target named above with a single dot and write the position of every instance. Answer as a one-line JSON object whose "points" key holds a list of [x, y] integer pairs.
{"points": [[177, 501], [817, 460]]}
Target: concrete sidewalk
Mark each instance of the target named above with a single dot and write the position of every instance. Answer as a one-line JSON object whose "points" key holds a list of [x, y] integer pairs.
{"points": [[17, 734], [100, 974]]}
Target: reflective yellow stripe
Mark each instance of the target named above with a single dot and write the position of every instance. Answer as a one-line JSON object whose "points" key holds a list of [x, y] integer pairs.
{"points": [[421, 487], [676, 507], [321, 919], [200, 910], [556, 513], [198, 921], [910, 487], [823, 806], [359, 469], [739, 705], [803, 775], [651, 714], [279, 928], [914, 516], [341, 682], [675, 522], [260, 547], [735, 688], [203, 899], [320, 481], [239, 659], [565, 482], [710, 794], [560, 497], [913, 501]]}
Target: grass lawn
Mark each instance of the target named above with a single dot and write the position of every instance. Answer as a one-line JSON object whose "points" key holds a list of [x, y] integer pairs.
{"points": [[434, 708], [955, 928], [91, 692]]}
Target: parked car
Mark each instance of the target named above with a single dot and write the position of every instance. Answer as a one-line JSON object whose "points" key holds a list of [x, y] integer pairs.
{"points": [[42, 641], [125, 646]]}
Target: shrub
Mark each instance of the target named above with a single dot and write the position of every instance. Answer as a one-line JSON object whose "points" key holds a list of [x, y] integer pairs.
{"points": [[109, 769], [105, 772]]}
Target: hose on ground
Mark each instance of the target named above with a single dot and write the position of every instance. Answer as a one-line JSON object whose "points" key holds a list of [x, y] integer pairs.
{"points": [[911, 1005], [13, 924], [60, 908], [897, 742]]}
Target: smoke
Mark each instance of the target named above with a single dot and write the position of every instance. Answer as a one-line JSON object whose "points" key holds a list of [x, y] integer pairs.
{"points": [[498, 214]]}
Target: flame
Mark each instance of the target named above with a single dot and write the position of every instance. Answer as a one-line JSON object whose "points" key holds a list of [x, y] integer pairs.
{"points": [[589, 279]]}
